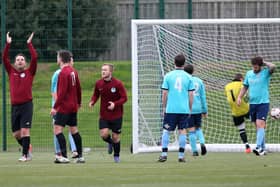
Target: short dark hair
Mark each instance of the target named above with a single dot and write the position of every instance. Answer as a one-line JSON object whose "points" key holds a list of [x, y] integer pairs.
{"points": [[20, 54], [189, 68], [65, 56], [257, 61], [180, 60], [238, 77]]}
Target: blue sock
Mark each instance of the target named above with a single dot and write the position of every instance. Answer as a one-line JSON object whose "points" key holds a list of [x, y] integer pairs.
{"points": [[260, 137], [164, 141], [263, 142], [56, 145], [182, 144], [199, 135], [72, 143], [192, 140]]}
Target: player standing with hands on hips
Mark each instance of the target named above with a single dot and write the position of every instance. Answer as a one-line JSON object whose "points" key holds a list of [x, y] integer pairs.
{"points": [[113, 96], [21, 79], [257, 81]]}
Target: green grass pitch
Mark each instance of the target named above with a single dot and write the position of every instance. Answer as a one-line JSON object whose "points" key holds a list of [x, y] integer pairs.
{"points": [[214, 169]]}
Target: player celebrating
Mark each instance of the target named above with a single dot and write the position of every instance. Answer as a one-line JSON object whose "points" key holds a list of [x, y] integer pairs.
{"points": [[199, 110], [257, 81], [177, 99], [66, 105], [21, 79], [239, 112], [113, 96], [54, 96]]}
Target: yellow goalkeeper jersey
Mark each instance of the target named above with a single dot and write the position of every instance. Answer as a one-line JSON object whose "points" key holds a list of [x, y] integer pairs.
{"points": [[232, 90]]}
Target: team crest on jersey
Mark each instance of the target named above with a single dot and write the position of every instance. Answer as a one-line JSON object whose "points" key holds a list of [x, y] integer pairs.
{"points": [[113, 89], [22, 75]]}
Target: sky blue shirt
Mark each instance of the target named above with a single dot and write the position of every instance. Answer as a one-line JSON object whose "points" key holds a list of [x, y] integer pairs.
{"points": [[199, 100], [258, 85], [54, 83], [178, 83]]}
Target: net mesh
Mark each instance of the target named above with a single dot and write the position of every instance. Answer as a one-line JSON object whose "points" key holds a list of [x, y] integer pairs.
{"points": [[218, 52]]}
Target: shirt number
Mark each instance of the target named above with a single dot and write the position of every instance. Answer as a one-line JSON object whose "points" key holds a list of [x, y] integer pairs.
{"points": [[178, 84]]}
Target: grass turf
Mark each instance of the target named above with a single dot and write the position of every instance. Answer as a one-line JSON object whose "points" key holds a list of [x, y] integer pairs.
{"points": [[215, 169]]}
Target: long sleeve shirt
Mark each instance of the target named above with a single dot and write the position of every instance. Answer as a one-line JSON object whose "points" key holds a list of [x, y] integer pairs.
{"points": [[68, 91], [20, 81], [113, 91]]}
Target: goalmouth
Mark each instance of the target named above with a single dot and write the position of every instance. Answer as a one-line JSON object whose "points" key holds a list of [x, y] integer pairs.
{"points": [[218, 49]]}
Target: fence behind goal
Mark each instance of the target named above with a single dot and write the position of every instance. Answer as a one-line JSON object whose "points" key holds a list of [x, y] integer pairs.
{"points": [[218, 49]]}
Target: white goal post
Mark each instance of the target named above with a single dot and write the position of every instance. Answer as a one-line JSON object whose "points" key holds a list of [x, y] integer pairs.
{"points": [[218, 49]]}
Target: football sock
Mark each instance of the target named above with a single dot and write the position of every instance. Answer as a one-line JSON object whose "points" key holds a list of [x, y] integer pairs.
{"points": [[260, 137], [192, 140], [263, 142], [72, 142], [62, 144], [243, 135], [56, 145], [25, 145], [19, 141], [117, 148], [78, 141], [164, 142], [199, 135], [182, 144], [108, 139]]}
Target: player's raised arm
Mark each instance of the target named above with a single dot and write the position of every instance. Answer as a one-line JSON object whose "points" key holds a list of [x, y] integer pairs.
{"points": [[5, 56], [270, 66], [8, 38], [33, 53], [30, 38]]}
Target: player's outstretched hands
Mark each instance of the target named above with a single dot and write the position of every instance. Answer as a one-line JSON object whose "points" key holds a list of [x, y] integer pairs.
{"points": [[30, 38], [9, 39]]}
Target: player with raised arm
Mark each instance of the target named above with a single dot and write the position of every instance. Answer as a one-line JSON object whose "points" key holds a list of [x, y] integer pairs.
{"points": [[113, 96], [199, 110], [54, 97], [177, 98], [66, 106], [239, 112], [21, 79], [257, 82]]}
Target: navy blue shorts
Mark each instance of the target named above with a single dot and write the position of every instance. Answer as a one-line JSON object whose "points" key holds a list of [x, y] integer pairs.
{"points": [[171, 121], [259, 111], [195, 121], [114, 125]]}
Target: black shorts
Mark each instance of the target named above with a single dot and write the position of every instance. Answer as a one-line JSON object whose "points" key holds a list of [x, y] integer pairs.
{"points": [[114, 125], [65, 119], [22, 116], [238, 120]]}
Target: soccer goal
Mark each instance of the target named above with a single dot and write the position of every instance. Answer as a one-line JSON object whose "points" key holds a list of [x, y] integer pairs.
{"points": [[218, 48]]}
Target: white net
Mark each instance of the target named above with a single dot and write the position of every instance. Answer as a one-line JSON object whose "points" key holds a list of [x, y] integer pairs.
{"points": [[218, 49]]}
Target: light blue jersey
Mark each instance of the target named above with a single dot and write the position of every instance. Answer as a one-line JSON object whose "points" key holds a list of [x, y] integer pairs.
{"points": [[258, 85], [178, 83], [54, 83], [199, 100]]}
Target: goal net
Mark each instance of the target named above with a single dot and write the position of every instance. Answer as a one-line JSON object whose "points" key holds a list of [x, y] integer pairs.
{"points": [[218, 49]]}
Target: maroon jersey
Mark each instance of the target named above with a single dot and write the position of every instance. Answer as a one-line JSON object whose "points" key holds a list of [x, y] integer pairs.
{"points": [[20, 81], [68, 91], [114, 91]]}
